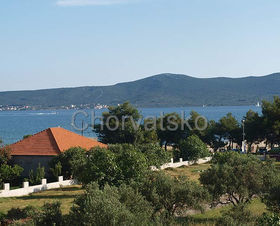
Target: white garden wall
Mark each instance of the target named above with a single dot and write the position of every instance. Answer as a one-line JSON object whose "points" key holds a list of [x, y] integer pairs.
{"points": [[26, 190], [173, 164]]}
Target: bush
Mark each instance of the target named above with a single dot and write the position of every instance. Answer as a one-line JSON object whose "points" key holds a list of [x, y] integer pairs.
{"points": [[2, 217], [114, 166], [271, 196], [19, 214], [69, 161], [16, 214], [132, 164], [237, 215], [56, 171], [269, 219], [9, 174], [49, 214], [170, 196], [100, 166], [36, 178], [193, 149], [110, 206], [274, 151], [154, 154]]}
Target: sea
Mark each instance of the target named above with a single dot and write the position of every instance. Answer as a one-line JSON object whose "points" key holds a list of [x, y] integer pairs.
{"points": [[15, 124]]}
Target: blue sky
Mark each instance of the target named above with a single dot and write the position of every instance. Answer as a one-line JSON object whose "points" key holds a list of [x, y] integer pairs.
{"points": [[64, 43]]}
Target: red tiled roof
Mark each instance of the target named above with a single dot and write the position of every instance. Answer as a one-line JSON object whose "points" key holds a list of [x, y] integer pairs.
{"points": [[52, 141]]}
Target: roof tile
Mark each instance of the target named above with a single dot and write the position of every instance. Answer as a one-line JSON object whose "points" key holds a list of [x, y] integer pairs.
{"points": [[52, 141]]}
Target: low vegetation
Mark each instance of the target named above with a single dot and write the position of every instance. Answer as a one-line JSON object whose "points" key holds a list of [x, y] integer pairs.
{"points": [[118, 187]]}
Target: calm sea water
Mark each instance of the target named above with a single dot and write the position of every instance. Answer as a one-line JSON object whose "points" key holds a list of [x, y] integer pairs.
{"points": [[15, 124]]}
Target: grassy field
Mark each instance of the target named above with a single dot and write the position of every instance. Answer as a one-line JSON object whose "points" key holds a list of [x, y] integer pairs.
{"points": [[256, 207], [209, 217], [67, 195], [277, 165], [192, 172], [64, 195]]}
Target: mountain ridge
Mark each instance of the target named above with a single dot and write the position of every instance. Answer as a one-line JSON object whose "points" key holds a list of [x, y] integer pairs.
{"points": [[161, 90]]}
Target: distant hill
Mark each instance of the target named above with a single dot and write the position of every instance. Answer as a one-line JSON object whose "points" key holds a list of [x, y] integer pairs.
{"points": [[163, 90]]}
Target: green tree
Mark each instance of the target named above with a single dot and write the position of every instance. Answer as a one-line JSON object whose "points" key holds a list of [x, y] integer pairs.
{"points": [[170, 196], [193, 148], [121, 124], [118, 164], [99, 166], [110, 206], [48, 214], [230, 128], [214, 136], [9, 173], [271, 119], [36, 178], [169, 129], [132, 163], [197, 125], [269, 219], [71, 159], [154, 154], [237, 215], [254, 128], [56, 171], [272, 195], [236, 178]]}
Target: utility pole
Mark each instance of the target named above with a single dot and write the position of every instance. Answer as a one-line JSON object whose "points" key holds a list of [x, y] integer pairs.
{"points": [[243, 135]]}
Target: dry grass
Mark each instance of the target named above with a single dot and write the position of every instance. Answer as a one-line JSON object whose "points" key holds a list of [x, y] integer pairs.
{"points": [[192, 172], [65, 195], [277, 165], [210, 217]]}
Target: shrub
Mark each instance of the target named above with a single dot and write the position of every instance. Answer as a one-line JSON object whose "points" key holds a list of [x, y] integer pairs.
{"points": [[132, 164], [69, 160], [236, 178], [49, 214], [154, 154], [269, 219], [170, 196], [193, 148], [9, 174], [18, 214], [56, 171], [237, 215], [2, 217], [110, 206], [35, 178], [114, 166], [100, 166], [271, 196]]}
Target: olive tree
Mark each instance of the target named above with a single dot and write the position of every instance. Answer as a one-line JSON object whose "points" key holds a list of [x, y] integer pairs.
{"points": [[236, 178], [111, 206], [170, 196]]}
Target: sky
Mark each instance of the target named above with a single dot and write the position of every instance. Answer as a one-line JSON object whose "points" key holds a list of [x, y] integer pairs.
{"points": [[69, 43]]}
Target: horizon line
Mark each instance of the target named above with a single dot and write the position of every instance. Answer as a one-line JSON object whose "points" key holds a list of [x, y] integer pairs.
{"points": [[167, 73]]}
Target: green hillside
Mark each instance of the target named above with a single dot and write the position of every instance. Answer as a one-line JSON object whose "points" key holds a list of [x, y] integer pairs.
{"points": [[156, 91]]}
